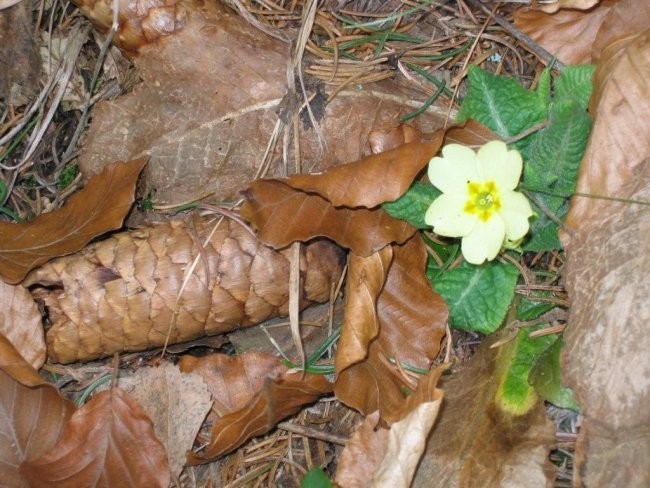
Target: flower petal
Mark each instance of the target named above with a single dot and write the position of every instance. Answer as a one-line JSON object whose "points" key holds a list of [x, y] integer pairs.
{"points": [[496, 163], [485, 240], [515, 211], [447, 217], [454, 169]]}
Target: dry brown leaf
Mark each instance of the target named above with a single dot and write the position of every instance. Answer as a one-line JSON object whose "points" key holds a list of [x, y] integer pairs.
{"points": [[18, 55], [620, 139], [475, 443], [412, 320], [108, 442], [365, 280], [609, 301], [273, 394], [226, 99], [385, 140], [233, 380], [552, 7], [379, 457], [283, 215], [606, 346], [373, 180], [626, 18], [569, 34], [177, 404], [32, 414], [120, 294], [98, 208], [21, 323]]}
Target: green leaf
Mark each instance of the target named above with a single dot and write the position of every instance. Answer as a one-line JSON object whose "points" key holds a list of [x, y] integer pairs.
{"points": [[514, 394], [543, 229], [575, 82], [502, 104], [478, 297], [316, 478], [558, 149], [529, 309], [3, 191], [546, 378], [413, 204]]}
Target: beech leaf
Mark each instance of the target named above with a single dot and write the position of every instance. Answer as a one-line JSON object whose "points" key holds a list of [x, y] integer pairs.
{"points": [[253, 392], [412, 320], [373, 180], [177, 404], [21, 323], [109, 440], [32, 414], [283, 215], [476, 443], [606, 277], [99, 207], [378, 457], [365, 280]]}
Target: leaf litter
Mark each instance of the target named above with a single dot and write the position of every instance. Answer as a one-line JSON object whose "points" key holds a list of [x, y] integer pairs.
{"points": [[386, 357]]}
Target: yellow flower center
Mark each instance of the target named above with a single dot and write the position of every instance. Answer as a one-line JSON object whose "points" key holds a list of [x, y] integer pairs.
{"points": [[483, 199]]}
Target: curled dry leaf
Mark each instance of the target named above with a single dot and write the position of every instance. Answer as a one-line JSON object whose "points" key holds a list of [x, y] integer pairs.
{"points": [[552, 7], [107, 441], [626, 18], [98, 208], [609, 305], [412, 320], [477, 443], [373, 180], [365, 280], [283, 215], [124, 293], [21, 324], [226, 97], [568, 34], [177, 404], [381, 140], [379, 457], [620, 139], [270, 395], [32, 414], [606, 346]]}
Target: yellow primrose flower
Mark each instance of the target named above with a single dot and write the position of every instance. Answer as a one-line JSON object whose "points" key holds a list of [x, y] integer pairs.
{"points": [[478, 201]]}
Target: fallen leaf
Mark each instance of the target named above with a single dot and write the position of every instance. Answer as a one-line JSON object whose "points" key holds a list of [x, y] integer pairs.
{"points": [[18, 56], [373, 180], [282, 215], [611, 450], [177, 404], [620, 138], [568, 34], [378, 457], [477, 443], [365, 280], [108, 441], [99, 207], [21, 323], [124, 293], [32, 414], [412, 320], [381, 140], [606, 345], [626, 18], [563, 4], [273, 395], [233, 380], [226, 99]]}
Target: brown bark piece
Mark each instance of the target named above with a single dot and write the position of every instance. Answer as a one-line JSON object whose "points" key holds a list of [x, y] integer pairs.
{"points": [[124, 293]]}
